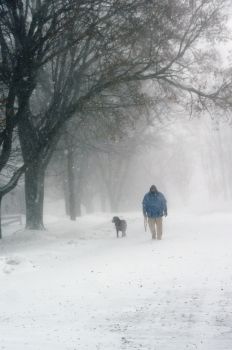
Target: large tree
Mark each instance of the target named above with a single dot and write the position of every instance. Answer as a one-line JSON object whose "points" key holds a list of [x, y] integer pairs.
{"points": [[31, 34]]}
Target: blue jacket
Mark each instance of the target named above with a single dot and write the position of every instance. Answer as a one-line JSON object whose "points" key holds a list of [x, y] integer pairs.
{"points": [[154, 205]]}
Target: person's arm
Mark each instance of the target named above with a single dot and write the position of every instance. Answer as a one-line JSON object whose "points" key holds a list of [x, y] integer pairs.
{"points": [[165, 206], [144, 207]]}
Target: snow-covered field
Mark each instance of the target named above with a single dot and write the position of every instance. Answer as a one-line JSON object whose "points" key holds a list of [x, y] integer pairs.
{"points": [[77, 287]]}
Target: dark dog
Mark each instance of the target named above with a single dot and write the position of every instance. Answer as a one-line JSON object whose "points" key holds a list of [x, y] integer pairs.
{"points": [[120, 225]]}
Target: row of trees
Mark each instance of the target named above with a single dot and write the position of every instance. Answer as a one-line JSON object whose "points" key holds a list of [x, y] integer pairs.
{"points": [[188, 159], [86, 62]]}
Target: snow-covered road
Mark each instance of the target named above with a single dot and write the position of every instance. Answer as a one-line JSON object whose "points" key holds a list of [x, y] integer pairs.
{"points": [[77, 287]]}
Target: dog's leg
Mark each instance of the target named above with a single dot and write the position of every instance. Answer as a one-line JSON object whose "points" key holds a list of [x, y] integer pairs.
{"points": [[117, 233]]}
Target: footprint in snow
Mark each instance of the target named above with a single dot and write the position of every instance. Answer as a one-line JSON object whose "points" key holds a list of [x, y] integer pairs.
{"points": [[13, 261], [10, 264]]}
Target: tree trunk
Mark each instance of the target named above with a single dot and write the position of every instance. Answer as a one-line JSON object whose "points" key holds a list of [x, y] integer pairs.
{"points": [[35, 174], [66, 195], [71, 184], [78, 206], [34, 195], [0, 217], [114, 203], [89, 205], [103, 202]]}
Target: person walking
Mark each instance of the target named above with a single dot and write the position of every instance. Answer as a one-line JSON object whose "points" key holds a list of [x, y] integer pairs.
{"points": [[154, 208]]}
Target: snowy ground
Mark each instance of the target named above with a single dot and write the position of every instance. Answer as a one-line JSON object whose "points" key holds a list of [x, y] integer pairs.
{"points": [[77, 287]]}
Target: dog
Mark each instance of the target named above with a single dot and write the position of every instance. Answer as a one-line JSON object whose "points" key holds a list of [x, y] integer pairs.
{"points": [[120, 225]]}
